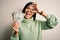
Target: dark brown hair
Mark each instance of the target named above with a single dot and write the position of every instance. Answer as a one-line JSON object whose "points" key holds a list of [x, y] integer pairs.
{"points": [[29, 3]]}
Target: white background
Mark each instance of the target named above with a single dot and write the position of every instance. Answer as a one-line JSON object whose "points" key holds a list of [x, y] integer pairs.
{"points": [[7, 7]]}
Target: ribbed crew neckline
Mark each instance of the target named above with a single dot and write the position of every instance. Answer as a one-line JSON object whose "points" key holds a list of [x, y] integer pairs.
{"points": [[27, 20]]}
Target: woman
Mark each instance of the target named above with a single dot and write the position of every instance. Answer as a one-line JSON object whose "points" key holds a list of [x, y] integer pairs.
{"points": [[30, 28]]}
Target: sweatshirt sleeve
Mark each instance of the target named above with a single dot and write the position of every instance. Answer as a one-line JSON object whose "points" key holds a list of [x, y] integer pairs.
{"points": [[14, 37], [51, 22]]}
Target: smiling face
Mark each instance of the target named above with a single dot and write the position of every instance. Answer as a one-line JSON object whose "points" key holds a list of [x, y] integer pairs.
{"points": [[29, 11]]}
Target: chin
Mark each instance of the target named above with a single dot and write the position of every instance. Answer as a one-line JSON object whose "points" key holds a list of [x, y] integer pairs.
{"points": [[28, 17]]}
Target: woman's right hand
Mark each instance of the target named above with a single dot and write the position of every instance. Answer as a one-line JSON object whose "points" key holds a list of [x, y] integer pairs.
{"points": [[15, 28]]}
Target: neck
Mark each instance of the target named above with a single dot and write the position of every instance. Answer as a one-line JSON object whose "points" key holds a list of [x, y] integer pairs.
{"points": [[27, 18]]}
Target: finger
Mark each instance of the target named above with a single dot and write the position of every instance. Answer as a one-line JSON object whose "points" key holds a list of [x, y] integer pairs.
{"points": [[15, 29], [16, 25]]}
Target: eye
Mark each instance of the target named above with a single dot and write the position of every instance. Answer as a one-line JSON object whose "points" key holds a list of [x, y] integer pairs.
{"points": [[33, 9], [26, 9]]}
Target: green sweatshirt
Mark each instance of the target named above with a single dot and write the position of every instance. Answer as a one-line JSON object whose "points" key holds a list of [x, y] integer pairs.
{"points": [[32, 30]]}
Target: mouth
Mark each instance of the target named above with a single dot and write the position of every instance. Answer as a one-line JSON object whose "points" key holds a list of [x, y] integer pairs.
{"points": [[28, 14]]}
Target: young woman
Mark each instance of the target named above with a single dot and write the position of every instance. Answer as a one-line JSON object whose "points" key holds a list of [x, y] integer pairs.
{"points": [[30, 28]]}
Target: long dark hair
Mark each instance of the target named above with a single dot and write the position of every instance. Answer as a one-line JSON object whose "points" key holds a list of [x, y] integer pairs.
{"points": [[29, 3]]}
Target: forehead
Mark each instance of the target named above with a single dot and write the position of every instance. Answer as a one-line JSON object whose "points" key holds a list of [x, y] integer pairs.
{"points": [[31, 6]]}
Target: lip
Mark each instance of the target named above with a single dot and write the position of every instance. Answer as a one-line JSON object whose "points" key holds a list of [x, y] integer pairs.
{"points": [[28, 14]]}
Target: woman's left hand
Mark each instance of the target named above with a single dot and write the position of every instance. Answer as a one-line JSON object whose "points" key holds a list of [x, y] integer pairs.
{"points": [[40, 11], [37, 11]]}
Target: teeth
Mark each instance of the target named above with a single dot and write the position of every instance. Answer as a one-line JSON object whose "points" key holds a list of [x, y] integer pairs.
{"points": [[28, 15]]}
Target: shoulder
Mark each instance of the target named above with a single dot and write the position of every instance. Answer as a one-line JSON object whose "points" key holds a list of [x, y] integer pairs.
{"points": [[39, 21], [36, 21]]}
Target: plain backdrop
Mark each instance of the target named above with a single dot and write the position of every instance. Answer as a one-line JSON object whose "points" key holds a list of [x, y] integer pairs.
{"points": [[7, 7]]}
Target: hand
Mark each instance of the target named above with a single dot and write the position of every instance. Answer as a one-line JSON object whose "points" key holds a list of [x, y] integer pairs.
{"points": [[36, 8], [15, 27], [40, 11]]}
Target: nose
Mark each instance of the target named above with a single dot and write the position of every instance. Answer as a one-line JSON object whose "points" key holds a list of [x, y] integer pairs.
{"points": [[29, 11]]}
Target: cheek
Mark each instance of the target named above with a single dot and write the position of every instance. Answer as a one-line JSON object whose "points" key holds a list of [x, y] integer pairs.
{"points": [[32, 14]]}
